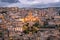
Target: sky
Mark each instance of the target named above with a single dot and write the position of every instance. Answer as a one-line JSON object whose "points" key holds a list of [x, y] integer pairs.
{"points": [[29, 3]]}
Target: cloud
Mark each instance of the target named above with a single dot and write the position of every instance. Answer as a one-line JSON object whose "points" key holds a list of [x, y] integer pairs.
{"points": [[3, 4], [18, 5], [10, 1], [57, 4], [31, 2]]}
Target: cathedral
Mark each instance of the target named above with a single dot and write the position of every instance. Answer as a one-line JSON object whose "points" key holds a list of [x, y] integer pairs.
{"points": [[29, 17]]}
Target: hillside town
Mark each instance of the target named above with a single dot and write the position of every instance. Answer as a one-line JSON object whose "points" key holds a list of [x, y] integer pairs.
{"points": [[29, 23]]}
